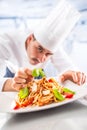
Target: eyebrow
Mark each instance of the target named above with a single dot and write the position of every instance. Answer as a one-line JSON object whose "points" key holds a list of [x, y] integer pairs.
{"points": [[45, 49], [40, 46]]}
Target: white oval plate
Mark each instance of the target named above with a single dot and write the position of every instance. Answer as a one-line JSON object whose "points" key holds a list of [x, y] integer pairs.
{"points": [[6, 99]]}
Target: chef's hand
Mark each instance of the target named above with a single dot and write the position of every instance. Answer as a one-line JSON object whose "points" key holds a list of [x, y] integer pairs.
{"points": [[75, 76], [21, 78]]}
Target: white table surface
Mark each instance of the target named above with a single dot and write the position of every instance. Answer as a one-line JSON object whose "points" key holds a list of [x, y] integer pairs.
{"points": [[72, 116]]}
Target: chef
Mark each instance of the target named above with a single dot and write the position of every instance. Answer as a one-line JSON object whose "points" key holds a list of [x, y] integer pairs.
{"points": [[20, 52]]}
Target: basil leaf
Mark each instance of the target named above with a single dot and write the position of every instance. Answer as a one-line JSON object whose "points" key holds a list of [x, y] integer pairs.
{"points": [[23, 93], [42, 74], [35, 72], [68, 90], [38, 72], [58, 95]]}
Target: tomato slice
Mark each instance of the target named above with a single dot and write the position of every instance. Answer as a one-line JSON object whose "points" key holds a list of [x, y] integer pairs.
{"points": [[27, 103], [50, 80], [16, 106], [69, 95]]}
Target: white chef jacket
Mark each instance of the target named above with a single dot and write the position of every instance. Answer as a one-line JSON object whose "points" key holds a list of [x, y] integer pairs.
{"points": [[13, 53]]}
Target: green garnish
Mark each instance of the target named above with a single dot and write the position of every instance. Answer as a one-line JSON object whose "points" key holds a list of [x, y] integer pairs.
{"points": [[68, 90], [41, 72], [23, 93], [58, 95], [38, 72], [35, 72]]}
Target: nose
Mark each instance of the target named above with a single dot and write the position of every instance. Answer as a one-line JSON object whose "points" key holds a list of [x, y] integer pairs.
{"points": [[42, 58]]}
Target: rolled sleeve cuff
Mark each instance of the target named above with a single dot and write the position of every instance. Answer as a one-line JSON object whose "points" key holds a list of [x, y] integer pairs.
{"points": [[2, 82]]}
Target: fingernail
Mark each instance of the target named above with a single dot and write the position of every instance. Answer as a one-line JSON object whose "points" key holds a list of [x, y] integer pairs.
{"points": [[79, 83]]}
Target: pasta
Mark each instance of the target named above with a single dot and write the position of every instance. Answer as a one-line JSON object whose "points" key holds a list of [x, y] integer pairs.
{"points": [[42, 92]]}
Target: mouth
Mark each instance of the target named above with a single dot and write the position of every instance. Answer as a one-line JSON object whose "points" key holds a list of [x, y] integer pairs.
{"points": [[34, 61]]}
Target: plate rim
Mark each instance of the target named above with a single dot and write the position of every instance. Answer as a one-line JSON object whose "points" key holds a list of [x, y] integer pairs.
{"points": [[81, 92]]}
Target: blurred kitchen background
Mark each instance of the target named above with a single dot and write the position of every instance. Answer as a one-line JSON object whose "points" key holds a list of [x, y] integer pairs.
{"points": [[21, 14]]}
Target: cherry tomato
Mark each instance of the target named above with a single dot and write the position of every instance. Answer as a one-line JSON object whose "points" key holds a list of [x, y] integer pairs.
{"points": [[50, 80], [69, 95]]}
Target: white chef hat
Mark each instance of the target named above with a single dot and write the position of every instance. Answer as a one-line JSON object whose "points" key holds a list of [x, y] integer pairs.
{"points": [[57, 26]]}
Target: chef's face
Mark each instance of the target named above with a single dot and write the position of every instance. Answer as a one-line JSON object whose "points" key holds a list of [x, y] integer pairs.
{"points": [[36, 53]]}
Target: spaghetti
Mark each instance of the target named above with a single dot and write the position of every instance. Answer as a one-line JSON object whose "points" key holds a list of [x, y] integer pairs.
{"points": [[42, 92]]}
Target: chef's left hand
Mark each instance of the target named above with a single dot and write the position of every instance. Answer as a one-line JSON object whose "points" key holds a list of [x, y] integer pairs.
{"points": [[75, 76]]}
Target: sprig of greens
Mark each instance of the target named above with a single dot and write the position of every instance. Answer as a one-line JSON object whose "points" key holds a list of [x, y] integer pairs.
{"points": [[58, 95], [38, 72], [68, 90], [23, 93]]}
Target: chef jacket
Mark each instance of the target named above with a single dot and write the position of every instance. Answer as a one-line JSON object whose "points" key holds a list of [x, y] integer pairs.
{"points": [[13, 56]]}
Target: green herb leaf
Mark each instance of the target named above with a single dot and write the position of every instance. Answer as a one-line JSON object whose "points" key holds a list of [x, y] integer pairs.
{"points": [[58, 95], [38, 72], [68, 90], [42, 74], [23, 93], [35, 72]]}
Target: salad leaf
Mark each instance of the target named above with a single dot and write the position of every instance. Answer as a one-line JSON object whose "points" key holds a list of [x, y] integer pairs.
{"points": [[68, 90], [35, 72], [23, 93], [58, 95], [38, 72], [41, 72]]}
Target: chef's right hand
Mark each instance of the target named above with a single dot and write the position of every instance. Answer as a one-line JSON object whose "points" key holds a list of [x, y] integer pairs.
{"points": [[21, 78]]}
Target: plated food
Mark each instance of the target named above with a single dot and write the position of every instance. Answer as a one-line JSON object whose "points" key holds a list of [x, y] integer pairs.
{"points": [[42, 92]]}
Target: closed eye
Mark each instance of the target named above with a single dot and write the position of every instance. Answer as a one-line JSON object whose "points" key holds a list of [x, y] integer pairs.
{"points": [[40, 49]]}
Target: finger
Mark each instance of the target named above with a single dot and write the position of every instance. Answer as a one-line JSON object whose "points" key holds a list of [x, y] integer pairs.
{"points": [[79, 74], [75, 77], [29, 79], [83, 78], [27, 71], [21, 74], [19, 80], [17, 87]]}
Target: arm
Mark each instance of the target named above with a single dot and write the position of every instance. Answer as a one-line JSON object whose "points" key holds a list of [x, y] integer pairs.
{"points": [[4, 56], [20, 80], [67, 70], [8, 48]]}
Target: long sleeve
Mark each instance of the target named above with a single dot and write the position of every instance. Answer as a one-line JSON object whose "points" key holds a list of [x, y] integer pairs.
{"points": [[2, 81], [4, 55], [62, 61], [7, 55], [12, 53]]}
